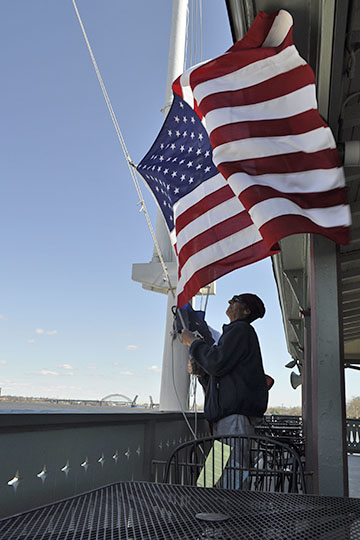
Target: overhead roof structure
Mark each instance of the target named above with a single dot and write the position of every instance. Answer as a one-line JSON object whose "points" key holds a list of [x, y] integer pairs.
{"points": [[319, 283]]}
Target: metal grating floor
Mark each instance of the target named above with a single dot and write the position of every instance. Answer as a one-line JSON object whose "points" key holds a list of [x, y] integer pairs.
{"points": [[139, 510]]}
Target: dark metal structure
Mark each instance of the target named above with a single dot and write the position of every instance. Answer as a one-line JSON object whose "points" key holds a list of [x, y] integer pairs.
{"points": [[48, 457], [253, 463], [145, 511], [318, 282]]}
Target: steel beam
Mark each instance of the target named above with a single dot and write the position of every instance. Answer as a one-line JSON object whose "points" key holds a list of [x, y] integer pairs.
{"points": [[350, 288], [351, 309], [352, 336], [241, 16], [352, 317], [328, 400], [328, 385], [350, 274], [307, 408], [355, 236], [350, 256]]}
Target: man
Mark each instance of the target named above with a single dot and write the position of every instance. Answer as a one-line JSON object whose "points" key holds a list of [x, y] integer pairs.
{"points": [[236, 392], [233, 377]]}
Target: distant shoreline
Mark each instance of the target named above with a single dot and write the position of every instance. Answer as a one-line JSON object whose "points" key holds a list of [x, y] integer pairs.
{"points": [[12, 404]]}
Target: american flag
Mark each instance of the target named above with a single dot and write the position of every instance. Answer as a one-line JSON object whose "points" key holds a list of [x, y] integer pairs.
{"points": [[209, 227], [258, 103], [277, 169]]}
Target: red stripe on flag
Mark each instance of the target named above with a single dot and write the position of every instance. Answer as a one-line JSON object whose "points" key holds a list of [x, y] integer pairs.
{"points": [[283, 163], [293, 125], [211, 272], [214, 234], [283, 226], [323, 199], [278, 86], [257, 32], [246, 52], [197, 110], [207, 203], [176, 87], [228, 63]]}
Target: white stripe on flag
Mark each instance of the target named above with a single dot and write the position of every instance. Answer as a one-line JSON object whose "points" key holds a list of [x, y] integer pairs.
{"points": [[282, 107], [205, 188], [314, 181], [185, 84], [215, 252], [259, 147], [333, 216], [279, 29], [255, 73], [216, 215]]}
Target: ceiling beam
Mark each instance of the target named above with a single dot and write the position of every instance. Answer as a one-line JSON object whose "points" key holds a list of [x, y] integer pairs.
{"points": [[351, 305], [355, 236], [351, 313], [350, 274], [350, 256], [351, 336], [350, 287], [351, 325], [355, 207], [351, 319], [352, 173]]}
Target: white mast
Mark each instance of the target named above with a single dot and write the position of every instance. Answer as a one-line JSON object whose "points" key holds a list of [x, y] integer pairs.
{"points": [[174, 377]]}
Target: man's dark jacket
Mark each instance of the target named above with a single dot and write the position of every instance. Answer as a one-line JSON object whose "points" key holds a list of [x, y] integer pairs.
{"points": [[236, 382]]}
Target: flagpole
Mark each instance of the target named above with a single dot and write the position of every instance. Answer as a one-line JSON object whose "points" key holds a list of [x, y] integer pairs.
{"points": [[174, 377]]}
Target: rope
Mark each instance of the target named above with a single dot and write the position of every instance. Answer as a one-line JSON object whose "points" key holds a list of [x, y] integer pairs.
{"points": [[133, 171], [193, 433], [201, 30], [195, 32], [191, 33], [120, 137]]}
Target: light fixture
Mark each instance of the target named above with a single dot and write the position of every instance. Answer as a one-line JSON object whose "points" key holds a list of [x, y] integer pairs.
{"points": [[295, 380], [291, 364]]}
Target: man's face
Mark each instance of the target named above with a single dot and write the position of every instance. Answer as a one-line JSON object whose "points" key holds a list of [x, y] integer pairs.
{"points": [[237, 310]]}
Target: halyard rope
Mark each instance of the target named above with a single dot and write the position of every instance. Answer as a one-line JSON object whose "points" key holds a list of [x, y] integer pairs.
{"points": [[120, 137], [132, 170]]}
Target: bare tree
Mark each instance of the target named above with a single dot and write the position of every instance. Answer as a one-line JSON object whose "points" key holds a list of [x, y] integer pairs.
{"points": [[353, 408]]}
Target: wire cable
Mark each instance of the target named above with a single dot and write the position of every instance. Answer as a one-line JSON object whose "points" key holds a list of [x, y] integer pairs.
{"points": [[131, 166], [133, 171], [201, 30], [191, 47], [176, 392]]}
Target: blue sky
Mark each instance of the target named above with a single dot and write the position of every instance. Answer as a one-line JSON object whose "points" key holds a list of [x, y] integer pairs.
{"points": [[72, 323]]}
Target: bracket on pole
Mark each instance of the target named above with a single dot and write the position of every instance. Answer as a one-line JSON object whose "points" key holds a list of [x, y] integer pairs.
{"points": [[296, 282], [297, 326]]}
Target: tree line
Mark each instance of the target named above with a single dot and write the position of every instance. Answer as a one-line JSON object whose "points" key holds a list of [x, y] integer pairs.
{"points": [[352, 409]]}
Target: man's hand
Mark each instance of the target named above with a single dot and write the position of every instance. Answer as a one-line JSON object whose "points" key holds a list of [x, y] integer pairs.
{"points": [[187, 337]]}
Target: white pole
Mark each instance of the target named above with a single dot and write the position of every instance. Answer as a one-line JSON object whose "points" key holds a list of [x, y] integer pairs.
{"points": [[174, 377], [176, 62], [176, 66]]}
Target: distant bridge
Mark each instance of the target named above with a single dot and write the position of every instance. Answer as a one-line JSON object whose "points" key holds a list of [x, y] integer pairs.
{"points": [[124, 399]]}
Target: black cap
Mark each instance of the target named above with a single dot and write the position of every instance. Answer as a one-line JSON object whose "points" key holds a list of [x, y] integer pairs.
{"points": [[255, 304]]}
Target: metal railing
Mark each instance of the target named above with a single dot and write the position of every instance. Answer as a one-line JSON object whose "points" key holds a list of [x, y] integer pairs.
{"points": [[49, 457], [353, 435]]}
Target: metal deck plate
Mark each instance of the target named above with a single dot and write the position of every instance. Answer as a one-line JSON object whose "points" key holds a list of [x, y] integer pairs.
{"points": [[139, 510]]}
